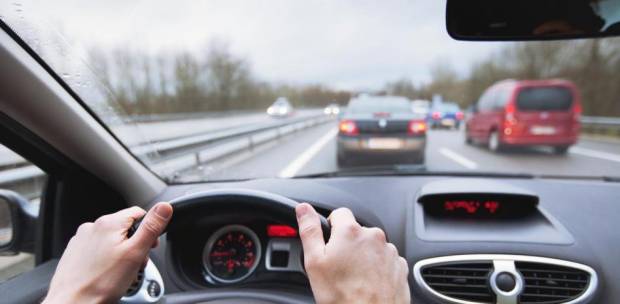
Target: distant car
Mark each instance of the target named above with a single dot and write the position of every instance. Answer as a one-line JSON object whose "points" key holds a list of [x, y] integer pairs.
{"points": [[332, 109], [527, 113], [445, 115], [280, 108], [381, 127]]}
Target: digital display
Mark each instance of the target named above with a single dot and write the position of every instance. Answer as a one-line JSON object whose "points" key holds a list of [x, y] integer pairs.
{"points": [[471, 206]]}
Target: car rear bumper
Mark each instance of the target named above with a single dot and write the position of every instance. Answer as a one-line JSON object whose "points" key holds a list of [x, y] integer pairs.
{"points": [[445, 122], [358, 146], [539, 140]]}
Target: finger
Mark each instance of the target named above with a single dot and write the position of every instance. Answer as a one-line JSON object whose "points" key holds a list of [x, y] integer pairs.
{"points": [[122, 219], [343, 222], [376, 233], [146, 261], [152, 225], [310, 230]]}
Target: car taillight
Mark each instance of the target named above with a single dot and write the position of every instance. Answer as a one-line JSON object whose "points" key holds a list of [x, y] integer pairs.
{"points": [[577, 112], [510, 113], [459, 115], [417, 127], [436, 115], [348, 127]]}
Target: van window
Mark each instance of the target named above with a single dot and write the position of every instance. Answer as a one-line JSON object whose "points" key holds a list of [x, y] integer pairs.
{"points": [[545, 99], [486, 101], [501, 99]]}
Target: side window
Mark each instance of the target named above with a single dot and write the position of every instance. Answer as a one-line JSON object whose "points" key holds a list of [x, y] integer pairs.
{"points": [[501, 98], [486, 100], [19, 175]]}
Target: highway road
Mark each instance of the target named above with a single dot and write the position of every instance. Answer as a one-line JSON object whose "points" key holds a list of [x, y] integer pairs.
{"points": [[314, 151]]}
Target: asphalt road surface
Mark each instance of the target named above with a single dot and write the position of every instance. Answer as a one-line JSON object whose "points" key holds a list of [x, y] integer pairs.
{"points": [[314, 151]]}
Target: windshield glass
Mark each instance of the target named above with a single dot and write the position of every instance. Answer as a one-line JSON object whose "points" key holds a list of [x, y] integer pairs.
{"points": [[237, 89]]}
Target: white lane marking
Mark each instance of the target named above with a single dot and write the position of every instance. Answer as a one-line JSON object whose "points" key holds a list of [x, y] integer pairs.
{"points": [[596, 154], [298, 163], [461, 160]]}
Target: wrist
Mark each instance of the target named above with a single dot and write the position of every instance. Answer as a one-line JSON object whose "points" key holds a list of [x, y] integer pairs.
{"points": [[72, 296]]}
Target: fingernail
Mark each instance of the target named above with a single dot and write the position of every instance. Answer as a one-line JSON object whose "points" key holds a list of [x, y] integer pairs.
{"points": [[302, 210], [163, 211]]}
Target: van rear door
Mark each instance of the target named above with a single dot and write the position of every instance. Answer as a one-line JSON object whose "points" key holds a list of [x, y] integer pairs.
{"points": [[546, 110]]}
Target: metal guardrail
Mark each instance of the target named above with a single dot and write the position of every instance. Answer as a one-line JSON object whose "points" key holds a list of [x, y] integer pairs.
{"points": [[601, 121], [176, 155], [606, 126]]}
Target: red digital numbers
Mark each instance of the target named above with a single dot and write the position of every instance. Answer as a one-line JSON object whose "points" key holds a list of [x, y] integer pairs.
{"points": [[471, 206]]}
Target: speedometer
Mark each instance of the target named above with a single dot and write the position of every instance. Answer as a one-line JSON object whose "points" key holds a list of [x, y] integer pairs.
{"points": [[231, 254]]}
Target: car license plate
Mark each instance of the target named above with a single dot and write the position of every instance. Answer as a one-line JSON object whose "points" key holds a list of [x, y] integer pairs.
{"points": [[542, 130], [385, 143], [447, 122]]}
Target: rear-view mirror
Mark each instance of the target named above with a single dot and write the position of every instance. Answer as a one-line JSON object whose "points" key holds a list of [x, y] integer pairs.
{"points": [[532, 19], [17, 224]]}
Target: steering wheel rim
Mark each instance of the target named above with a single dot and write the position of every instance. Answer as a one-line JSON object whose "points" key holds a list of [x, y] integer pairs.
{"points": [[216, 200]]}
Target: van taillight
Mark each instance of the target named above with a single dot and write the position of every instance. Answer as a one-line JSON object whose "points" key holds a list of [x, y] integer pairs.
{"points": [[460, 115], [416, 127], [348, 127], [510, 113], [577, 112]]}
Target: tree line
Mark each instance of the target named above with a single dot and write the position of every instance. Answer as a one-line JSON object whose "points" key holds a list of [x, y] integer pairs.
{"points": [[217, 80], [593, 65]]}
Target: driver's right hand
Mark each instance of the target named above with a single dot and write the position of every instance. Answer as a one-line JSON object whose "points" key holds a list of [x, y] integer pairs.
{"points": [[357, 265]]}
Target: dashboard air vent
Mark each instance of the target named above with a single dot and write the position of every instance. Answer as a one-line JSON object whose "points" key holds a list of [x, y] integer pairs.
{"points": [[135, 285], [466, 281], [548, 284]]}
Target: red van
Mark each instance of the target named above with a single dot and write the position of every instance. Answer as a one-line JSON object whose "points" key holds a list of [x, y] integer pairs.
{"points": [[526, 113]]}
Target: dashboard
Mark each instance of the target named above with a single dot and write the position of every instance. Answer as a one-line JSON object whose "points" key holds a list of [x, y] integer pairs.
{"points": [[557, 244]]}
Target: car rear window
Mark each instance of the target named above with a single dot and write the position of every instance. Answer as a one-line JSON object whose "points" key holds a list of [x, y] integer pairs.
{"points": [[545, 99], [379, 106], [450, 108]]}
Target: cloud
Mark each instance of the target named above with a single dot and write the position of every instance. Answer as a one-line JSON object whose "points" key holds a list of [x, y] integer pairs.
{"points": [[347, 44]]}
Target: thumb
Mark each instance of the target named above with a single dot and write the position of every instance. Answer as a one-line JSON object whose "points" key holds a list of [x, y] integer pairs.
{"points": [[310, 231], [153, 224]]}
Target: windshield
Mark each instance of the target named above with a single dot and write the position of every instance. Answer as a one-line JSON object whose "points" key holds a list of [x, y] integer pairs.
{"points": [[200, 90]]}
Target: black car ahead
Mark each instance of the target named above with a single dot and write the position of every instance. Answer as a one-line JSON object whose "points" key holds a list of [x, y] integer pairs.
{"points": [[381, 129]]}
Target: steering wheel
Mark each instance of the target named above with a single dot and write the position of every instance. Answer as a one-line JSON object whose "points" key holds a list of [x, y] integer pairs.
{"points": [[226, 200], [214, 201]]}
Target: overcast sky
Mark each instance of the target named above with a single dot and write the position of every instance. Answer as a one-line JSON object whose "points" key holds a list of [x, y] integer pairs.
{"points": [[348, 44]]}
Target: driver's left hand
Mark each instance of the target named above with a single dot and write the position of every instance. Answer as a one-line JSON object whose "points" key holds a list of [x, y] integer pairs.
{"points": [[100, 261]]}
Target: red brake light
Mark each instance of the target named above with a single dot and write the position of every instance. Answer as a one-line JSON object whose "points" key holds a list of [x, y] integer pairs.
{"points": [[459, 115], [348, 127], [436, 115], [281, 231], [577, 111], [417, 127], [510, 113]]}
